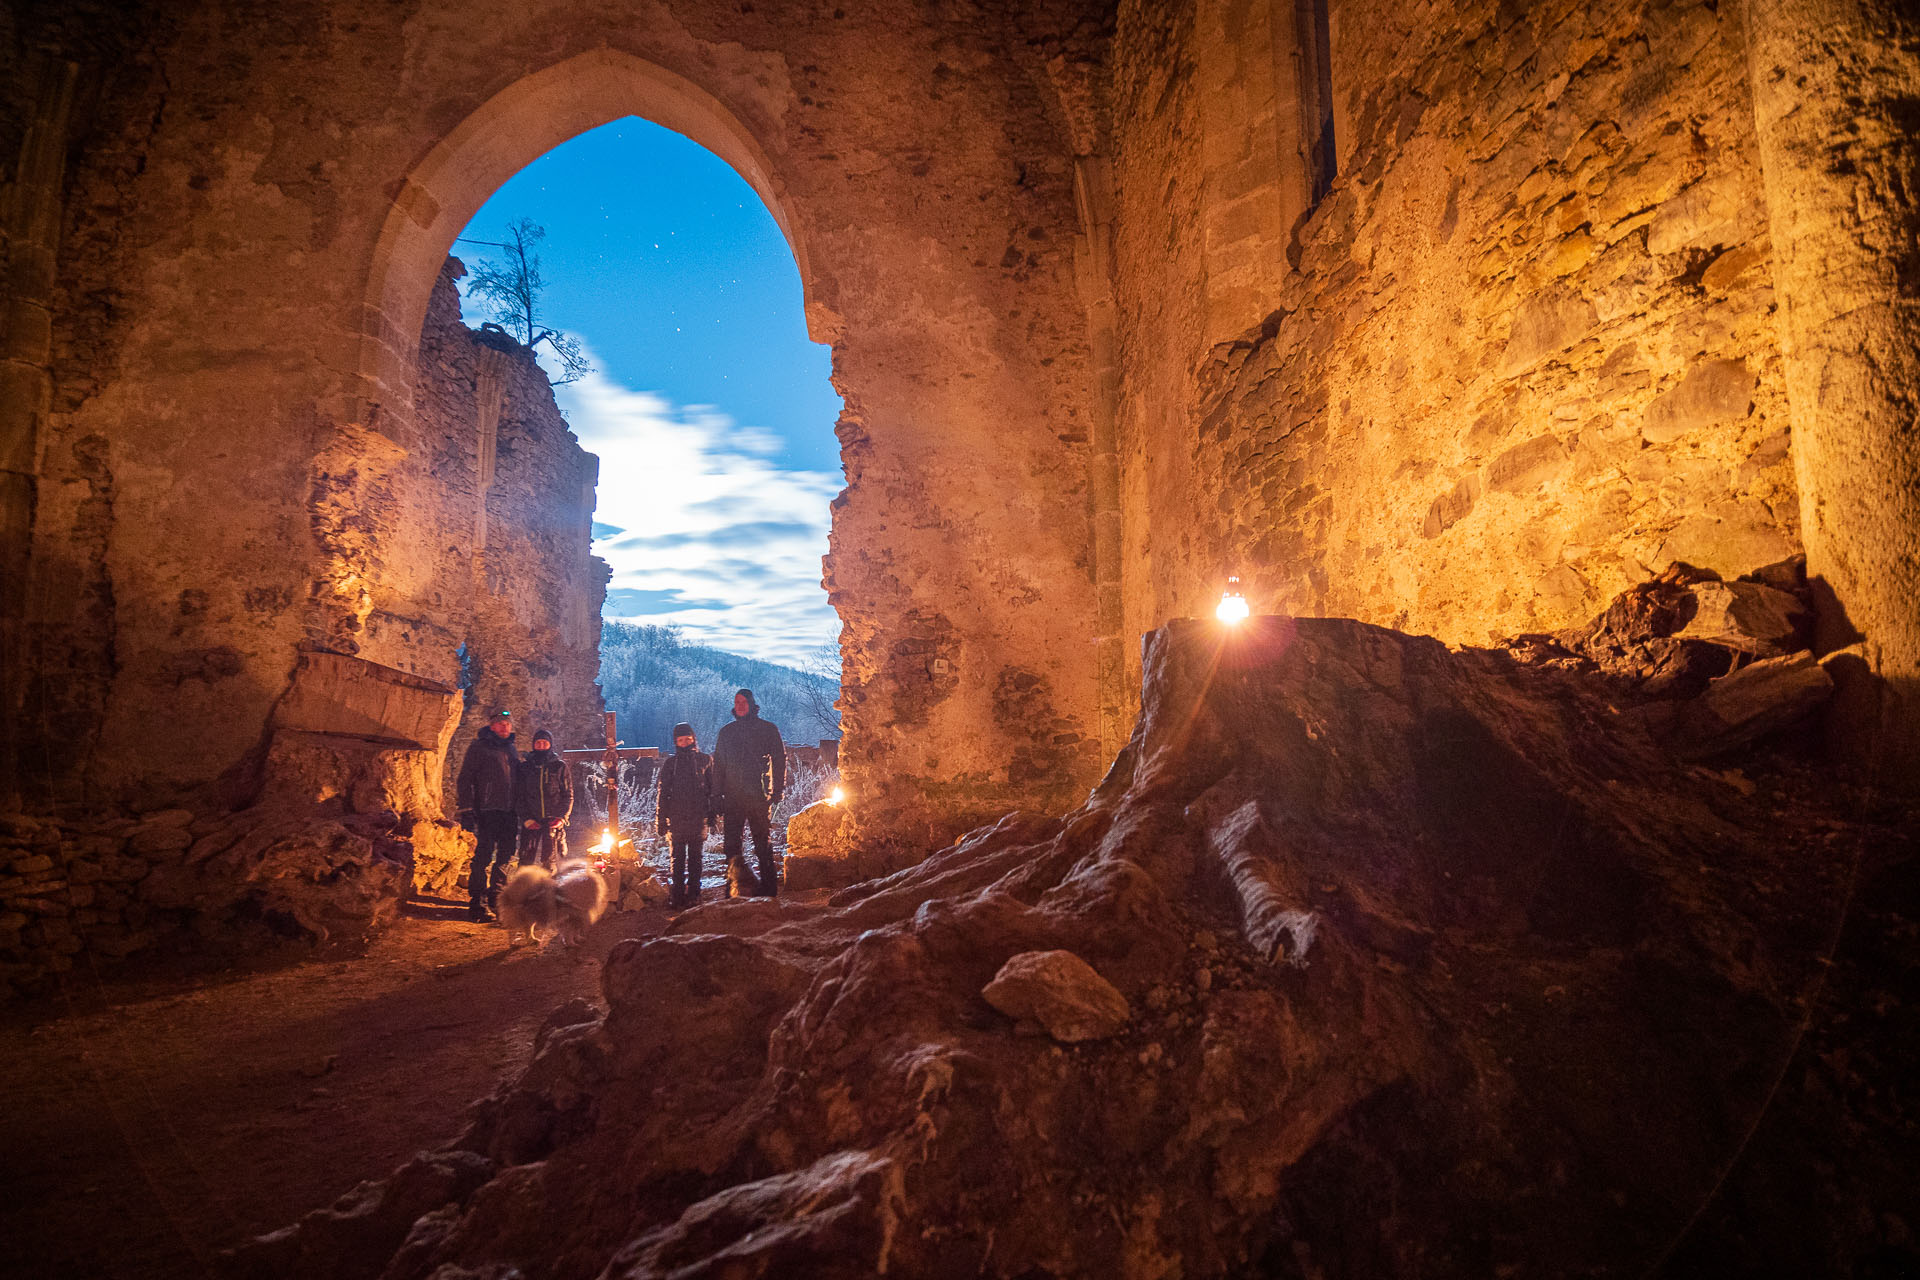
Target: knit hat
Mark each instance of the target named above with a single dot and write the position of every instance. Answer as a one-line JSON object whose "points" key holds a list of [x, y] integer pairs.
{"points": [[683, 730], [540, 736]]}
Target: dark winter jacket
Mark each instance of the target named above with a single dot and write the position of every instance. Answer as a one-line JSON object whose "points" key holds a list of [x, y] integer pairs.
{"points": [[486, 775], [686, 792], [747, 756], [542, 788]]}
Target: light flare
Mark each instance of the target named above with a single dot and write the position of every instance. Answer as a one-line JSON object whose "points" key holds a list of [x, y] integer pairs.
{"points": [[1233, 606], [838, 796]]}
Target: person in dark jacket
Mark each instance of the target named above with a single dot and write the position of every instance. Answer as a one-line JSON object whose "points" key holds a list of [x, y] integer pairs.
{"points": [[484, 798], [684, 812], [542, 801], [749, 776]]}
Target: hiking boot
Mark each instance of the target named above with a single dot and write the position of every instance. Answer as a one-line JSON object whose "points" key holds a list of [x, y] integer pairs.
{"points": [[480, 913]]}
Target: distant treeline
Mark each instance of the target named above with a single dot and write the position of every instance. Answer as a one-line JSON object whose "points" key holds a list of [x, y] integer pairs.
{"points": [[653, 679]]}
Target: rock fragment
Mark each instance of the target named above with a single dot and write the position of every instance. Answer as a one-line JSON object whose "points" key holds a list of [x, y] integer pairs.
{"points": [[1749, 617], [1760, 698], [1062, 993]]}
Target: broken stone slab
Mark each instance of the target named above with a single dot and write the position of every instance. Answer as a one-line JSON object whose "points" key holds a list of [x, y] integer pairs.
{"points": [[335, 693], [1749, 617], [1740, 708], [1061, 992]]}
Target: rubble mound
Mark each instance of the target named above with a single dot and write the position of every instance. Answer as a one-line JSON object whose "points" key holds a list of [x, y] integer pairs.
{"points": [[1368, 958]]}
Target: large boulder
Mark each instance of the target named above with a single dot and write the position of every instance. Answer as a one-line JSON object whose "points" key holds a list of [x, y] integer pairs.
{"points": [[1437, 964]]}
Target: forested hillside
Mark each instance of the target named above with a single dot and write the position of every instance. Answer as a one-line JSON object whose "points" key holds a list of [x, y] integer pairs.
{"points": [[653, 679]]}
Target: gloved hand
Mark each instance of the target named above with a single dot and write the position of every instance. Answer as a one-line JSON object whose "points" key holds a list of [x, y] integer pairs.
{"points": [[529, 824], [466, 820], [554, 824]]}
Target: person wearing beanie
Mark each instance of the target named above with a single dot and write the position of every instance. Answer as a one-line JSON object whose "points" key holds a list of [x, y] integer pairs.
{"points": [[542, 801], [749, 777], [684, 812], [484, 800]]}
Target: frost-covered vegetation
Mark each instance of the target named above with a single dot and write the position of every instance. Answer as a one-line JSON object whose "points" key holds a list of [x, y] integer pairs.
{"points": [[654, 679]]}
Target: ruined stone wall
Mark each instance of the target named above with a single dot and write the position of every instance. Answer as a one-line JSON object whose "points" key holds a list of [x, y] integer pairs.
{"points": [[228, 482], [511, 576], [1519, 355]]}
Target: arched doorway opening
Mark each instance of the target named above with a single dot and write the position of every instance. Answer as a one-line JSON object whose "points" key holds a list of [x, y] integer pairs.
{"points": [[692, 380], [417, 362], [958, 564], [508, 132]]}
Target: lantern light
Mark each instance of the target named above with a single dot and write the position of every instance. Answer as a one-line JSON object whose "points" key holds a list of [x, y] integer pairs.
{"points": [[837, 796], [1233, 606]]}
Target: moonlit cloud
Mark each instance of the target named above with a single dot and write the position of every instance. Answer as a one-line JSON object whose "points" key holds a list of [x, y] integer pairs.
{"points": [[703, 530]]}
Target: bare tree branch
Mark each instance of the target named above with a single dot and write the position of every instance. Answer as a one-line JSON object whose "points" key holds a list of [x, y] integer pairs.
{"points": [[511, 289]]}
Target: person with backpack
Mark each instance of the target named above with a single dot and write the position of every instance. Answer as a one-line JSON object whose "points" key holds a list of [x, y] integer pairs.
{"points": [[684, 812], [542, 801]]}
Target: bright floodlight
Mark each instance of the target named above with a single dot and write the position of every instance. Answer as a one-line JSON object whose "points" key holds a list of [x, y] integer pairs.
{"points": [[837, 796], [1233, 606]]}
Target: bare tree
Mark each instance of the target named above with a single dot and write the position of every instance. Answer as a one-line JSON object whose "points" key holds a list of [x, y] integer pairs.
{"points": [[821, 689], [511, 289]]}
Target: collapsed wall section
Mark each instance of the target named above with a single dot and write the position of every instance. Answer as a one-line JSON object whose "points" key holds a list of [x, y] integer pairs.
{"points": [[1520, 352], [517, 577]]}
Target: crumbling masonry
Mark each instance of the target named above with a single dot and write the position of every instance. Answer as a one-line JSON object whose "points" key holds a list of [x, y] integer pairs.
{"points": [[1457, 319]]}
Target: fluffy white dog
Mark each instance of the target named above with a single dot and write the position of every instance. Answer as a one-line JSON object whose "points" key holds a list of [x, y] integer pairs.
{"points": [[563, 902]]}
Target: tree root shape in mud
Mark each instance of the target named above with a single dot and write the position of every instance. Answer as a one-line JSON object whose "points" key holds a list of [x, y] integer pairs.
{"points": [[1434, 962]]}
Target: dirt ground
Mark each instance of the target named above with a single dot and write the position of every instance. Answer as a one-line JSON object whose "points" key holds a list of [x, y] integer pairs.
{"points": [[151, 1120]]}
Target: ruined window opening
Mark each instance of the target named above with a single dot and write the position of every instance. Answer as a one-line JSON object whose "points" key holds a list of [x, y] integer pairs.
{"points": [[1313, 30]]}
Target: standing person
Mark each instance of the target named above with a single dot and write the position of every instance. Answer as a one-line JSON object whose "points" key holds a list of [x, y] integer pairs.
{"points": [[684, 811], [749, 776], [542, 801], [484, 798]]}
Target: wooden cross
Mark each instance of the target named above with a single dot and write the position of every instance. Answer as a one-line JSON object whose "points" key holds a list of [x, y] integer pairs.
{"points": [[611, 755]]}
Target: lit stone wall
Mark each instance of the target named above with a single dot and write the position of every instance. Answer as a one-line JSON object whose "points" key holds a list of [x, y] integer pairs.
{"points": [[1105, 330], [1521, 354], [243, 457]]}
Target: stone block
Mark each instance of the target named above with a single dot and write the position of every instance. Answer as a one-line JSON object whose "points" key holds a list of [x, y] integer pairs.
{"points": [[1545, 324], [1713, 391], [333, 693], [1452, 506], [1720, 210], [1527, 466], [1727, 535], [167, 818], [1732, 267], [159, 841]]}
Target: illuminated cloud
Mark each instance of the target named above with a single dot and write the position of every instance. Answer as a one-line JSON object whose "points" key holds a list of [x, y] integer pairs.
{"points": [[702, 527]]}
